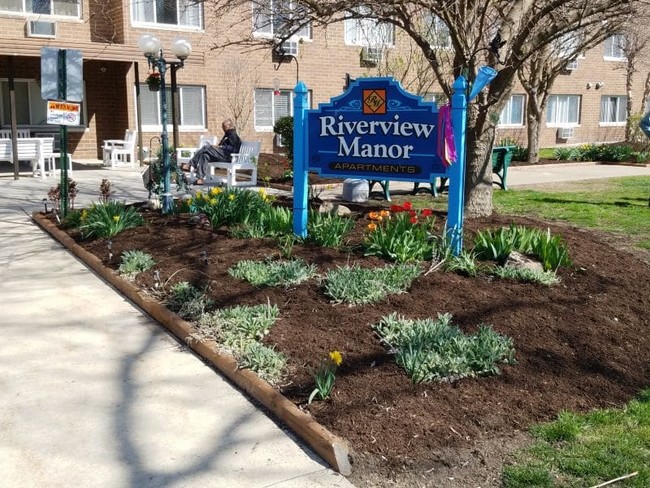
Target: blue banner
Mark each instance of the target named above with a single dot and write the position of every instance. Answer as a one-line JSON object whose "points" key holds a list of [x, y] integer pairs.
{"points": [[377, 131]]}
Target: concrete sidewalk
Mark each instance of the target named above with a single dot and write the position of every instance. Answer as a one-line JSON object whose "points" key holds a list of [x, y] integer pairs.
{"points": [[95, 394]]}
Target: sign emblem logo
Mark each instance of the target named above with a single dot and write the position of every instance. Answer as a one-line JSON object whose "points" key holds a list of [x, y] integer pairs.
{"points": [[374, 102]]}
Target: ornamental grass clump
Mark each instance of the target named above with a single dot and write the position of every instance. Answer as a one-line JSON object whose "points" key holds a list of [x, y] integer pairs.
{"points": [[325, 376], [273, 273], [401, 234], [328, 229], [357, 286], [134, 262], [435, 350], [107, 219], [232, 206]]}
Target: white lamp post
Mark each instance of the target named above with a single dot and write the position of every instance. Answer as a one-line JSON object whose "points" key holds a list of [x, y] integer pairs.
{"points": [[150, 47]]}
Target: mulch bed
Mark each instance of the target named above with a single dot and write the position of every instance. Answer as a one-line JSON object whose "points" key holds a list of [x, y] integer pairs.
{"points": [[580, 345]]}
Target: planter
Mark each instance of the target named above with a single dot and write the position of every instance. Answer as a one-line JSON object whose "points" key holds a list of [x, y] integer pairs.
{"points": [[154, 88]]}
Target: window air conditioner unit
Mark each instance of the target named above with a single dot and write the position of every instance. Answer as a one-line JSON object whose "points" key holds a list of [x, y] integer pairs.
{"points": [[289, 48], [565, 133], [571, 65], [41, 28], [371, 55]]}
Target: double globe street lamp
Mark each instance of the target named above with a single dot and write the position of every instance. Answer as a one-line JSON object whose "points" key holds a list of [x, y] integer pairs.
{"points": [[152, 50]]}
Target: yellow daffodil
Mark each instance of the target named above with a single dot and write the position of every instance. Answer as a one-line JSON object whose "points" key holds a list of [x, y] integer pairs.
{"points": [[213, 201], [372, 227], [231, 197], [215, 191], [199, 195], [84, 214], [116, 218], [336, 357]]}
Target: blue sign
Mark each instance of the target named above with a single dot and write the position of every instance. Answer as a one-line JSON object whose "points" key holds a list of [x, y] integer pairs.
{"points": [[377, 131]]}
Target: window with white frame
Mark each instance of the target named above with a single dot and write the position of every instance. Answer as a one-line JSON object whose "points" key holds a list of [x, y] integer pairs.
{"points": [[438, 33], [31, 109], [613, 109], [563, 110], [274, 18], [368, 32], [186, 13], [191, 104], [64, 8], [513, 112], [270, 105], [615, 47]]}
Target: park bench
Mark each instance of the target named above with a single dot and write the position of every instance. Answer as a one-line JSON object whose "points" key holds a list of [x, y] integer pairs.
{"points": [[501, 159], [34, 150], [244, 161]]}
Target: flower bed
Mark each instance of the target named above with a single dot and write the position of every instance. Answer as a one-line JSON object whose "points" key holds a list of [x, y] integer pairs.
{"points": [[578, 345]]}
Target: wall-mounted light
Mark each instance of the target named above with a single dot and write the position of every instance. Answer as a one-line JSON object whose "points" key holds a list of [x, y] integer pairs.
{"points": [[589, 85], [600, 84]]}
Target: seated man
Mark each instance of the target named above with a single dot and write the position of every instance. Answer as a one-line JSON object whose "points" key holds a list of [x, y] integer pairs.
{"points": [[229, 144]]}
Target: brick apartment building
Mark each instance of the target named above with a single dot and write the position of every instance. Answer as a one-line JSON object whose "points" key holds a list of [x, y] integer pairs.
{"points": [[252, 87]]}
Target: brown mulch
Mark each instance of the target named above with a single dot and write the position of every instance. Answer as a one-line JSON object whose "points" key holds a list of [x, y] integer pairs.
{"points": [[580, 345]]}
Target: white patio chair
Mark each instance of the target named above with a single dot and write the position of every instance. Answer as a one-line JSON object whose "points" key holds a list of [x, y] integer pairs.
{"points": [[120, 152], [245, 160]]}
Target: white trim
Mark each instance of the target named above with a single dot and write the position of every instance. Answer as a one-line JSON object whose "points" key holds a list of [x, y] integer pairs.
{"points": [[612, 124], [169, 27], [610, 58]]}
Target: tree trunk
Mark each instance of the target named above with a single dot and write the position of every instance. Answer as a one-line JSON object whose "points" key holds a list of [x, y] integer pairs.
{"points": [[478, 173], [533, 124], [629, 130]]}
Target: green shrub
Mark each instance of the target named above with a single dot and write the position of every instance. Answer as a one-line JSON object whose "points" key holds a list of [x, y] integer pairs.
{"points": [[273, 273], [328, 229], [284, 127], [231, 206], [356, 285], [72, 220], [188, 301], [107, 219], [495, 245], [567, 154], [401, 235], [434, 350], [134, 262]]}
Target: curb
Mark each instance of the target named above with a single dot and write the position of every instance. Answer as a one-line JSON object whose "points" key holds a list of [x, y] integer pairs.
{"points": [[330, 447]]}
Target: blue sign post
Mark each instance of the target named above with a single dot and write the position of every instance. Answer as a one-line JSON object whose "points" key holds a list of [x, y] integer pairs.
{"points": [[378, 131]]}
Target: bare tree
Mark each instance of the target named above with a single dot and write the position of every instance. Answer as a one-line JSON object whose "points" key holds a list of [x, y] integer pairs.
{"points": [[238, 103], [500, 33], [538, 74]]}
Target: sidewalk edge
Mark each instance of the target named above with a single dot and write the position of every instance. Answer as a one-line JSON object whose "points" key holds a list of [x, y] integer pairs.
{"points": [[330, 447]]}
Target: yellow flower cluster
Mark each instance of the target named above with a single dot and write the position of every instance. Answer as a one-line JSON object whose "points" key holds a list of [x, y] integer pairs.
{"points": [[214, 191], [116, 218], [336, 357], [84, 214]]}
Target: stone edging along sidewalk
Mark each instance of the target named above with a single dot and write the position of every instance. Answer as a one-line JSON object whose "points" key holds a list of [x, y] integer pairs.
{"points": [[331, 448]]}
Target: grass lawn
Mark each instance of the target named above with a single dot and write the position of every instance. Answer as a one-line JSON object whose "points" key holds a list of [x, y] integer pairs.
{"points": [[584, 450], [618, 205]]}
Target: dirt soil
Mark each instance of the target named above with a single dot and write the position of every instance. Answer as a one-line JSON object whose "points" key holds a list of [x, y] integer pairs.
{"points": [[580, 345]]}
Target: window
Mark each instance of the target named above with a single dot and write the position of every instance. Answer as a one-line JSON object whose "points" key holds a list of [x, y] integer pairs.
{"points": [[271, 18], [563, 110], [613, 109], [31, 109], [186, 13], [368, 32], [439, 99], [513, 112], [439, 34], [270, 105], [191, 103], [615, 47], [65, 8]]}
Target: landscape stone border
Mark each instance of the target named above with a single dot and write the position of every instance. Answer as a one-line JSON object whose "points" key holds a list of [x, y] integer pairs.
{"points": [[330, 447]]}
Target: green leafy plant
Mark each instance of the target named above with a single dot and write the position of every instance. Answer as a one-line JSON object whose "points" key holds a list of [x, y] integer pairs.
{"points": [[107, 219], [325, 376], [495, 245], [567, 154], [547, 278], [284, 128], [231, 206], [550, 250], [464, 263], [271, 222], [273, 273], [402, 234], [434, 350], [72, 220], [134, 262], [356, 285], [188, 301], [328, 229], [268, 363]]}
